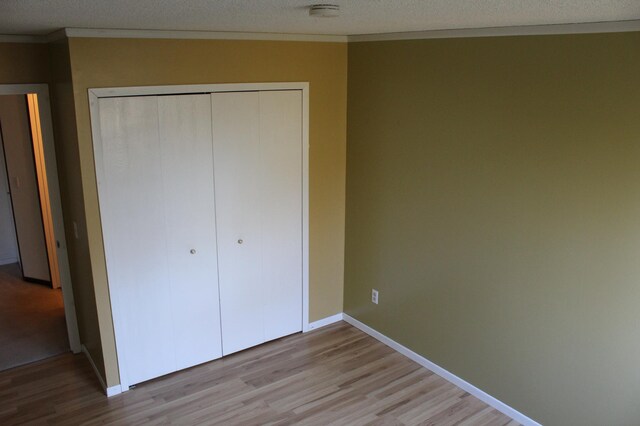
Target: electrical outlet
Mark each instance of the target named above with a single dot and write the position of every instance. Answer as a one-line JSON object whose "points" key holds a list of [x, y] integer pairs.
{"points": [[374, 296]]}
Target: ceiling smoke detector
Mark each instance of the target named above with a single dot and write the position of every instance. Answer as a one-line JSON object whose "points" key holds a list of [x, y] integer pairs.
{"points": [[324, 10]]}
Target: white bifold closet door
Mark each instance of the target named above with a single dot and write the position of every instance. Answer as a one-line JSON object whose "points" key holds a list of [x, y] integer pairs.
{"points": [[156, 189], [257, 140]]}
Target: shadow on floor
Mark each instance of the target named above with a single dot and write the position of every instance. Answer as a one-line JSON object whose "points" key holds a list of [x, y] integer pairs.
{"points": [[32, 322]]}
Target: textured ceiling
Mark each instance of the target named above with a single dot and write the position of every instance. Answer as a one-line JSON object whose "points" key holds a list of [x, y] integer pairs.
{"points": [[38, 17]]}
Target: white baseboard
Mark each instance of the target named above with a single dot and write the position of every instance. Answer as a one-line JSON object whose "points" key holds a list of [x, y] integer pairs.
{"points": [[113, 390], [462, 384], [324, 321], [8, 260]]}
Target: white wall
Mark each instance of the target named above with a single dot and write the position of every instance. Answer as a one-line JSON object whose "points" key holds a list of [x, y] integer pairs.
{"points": [[19, 158]]}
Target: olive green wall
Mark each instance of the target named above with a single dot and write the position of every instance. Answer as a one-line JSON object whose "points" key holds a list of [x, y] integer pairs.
{"points": [[99, 62], [493, 198]]}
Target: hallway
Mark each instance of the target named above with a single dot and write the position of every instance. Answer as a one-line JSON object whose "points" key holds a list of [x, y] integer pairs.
{"points": [[32, 322]]}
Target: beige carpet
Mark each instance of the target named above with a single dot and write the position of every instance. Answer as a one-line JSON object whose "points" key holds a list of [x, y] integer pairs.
{"points": [[32, 323]]}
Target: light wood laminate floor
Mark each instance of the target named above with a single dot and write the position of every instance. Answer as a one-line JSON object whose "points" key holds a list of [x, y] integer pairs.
{"points": [[333, 376]]}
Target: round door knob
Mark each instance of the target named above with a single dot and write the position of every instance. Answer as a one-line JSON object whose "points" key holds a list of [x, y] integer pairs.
{"points": [[240, 241], [192, 251]]}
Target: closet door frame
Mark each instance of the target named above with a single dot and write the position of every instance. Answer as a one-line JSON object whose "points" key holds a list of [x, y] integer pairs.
{"points": [[96, 93]]}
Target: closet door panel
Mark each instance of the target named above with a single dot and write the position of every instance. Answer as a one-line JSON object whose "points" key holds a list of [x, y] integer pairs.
{"points": [[131, 192], [187, 164], [281, 207], [236, 142]]}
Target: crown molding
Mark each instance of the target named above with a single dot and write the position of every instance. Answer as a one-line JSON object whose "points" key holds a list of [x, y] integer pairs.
{"points": [[522, 30], [204, 35], [55, 36], [578, 28], [38, 39]]}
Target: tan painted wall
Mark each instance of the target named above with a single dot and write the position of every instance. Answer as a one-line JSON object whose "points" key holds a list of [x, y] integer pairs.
{"points": [[128, 62], [493, 198], [67, 155]]}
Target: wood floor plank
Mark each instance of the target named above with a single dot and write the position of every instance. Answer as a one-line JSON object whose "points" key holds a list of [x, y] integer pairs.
{"points": [[333, 376]]}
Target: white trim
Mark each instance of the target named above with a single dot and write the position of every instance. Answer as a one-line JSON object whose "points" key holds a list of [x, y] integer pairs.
{"points": [[200, 35], [8, 260], [55, 201], [324, 322], [515, 30], [113, 390], [461, 383], [61, 34], [522, 30], [111, 92], [94, 109], [305, 206]]}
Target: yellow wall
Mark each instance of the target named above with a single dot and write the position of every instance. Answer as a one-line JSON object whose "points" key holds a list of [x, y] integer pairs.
{"points": [[493, 198], [139, 62], [67, 155]]}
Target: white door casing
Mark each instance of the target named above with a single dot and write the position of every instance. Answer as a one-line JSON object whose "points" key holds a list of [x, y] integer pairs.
{"points": [[48, 144]]}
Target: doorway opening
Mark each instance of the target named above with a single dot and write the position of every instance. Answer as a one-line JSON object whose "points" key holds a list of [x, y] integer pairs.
{"points": [[37, 312]]}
